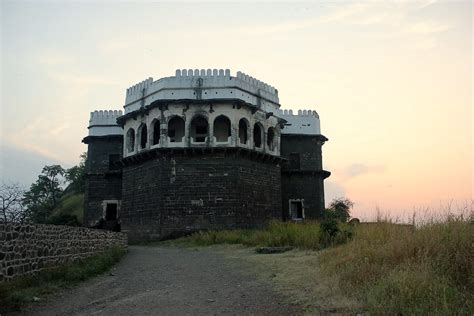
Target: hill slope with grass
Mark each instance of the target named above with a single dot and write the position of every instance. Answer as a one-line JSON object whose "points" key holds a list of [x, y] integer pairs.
{"points": [[69, 210]]}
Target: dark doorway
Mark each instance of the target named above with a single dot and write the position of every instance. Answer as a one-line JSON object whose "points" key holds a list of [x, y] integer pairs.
{"points": [[111, 212], [296, 210]]}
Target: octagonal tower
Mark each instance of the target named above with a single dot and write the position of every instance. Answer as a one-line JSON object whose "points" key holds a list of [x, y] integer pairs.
{"points": [[204, 150], [201, 151]]}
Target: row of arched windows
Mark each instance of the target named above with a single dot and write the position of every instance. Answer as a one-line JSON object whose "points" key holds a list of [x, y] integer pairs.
{"points": [[199, 132]]}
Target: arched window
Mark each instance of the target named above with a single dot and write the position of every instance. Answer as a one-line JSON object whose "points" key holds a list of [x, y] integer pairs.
{"points": [[130, 139], [155, 129], [199, 129], [222, 130], [143, 135], [271, 139], [243, 131], [176, 129], [257, 135]]}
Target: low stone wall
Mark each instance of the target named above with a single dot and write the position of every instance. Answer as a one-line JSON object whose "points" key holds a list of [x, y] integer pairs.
{"points": [[28, 249]]}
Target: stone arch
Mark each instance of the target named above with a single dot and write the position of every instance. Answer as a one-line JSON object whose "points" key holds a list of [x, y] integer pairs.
{"points": [[271, 138], [130, 140], [258, 135], [176, 129], [222, 128], [155, 132], [199, 129], [143, 136], [243, 131]]}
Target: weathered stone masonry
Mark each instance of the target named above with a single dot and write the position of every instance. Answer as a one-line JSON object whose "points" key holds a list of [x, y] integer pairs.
{"points": [[185, 192], [28, 249]]}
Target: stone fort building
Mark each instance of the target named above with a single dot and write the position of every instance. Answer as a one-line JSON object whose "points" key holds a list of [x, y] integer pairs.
{"points": [[202, 150]]}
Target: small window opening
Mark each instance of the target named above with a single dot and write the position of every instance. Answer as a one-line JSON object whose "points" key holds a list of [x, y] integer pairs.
{"points": [[243, 131], [130, 140], [176, 129], [199, 129], [271, 138], [294, 161], [257, 135], [111, 212], [113, 162], [156, 133], [222, 130], [296, 210], [143, 136]]}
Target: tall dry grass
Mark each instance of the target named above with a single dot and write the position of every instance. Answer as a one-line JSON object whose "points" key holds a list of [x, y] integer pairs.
{"points": [[305, 235], [398, 269]]}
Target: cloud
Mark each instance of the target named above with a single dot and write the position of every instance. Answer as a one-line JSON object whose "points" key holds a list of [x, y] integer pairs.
{"points": [[358, 169], [83, 80], [394, 16], [52, 58], [21, 165], [333, 189], [426, 28]]}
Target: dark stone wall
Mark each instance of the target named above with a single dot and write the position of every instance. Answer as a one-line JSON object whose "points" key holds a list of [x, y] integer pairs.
{"points": [[307, 146], [103, 180], [28, 249], [305, 179], [178, 193], [309, 187]]}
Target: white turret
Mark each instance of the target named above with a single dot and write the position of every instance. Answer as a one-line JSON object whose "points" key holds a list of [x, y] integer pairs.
{"points": [[306, 122], [104, 123]]}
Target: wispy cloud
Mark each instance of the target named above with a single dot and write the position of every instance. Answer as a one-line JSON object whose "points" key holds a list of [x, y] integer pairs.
{"points": [[426, 28], [358, 169], [395, 16], [52, 58], [80, 79]]}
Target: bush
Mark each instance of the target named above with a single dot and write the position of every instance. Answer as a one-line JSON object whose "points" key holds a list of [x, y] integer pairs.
{"points": [[339, 209], [64, 219]]}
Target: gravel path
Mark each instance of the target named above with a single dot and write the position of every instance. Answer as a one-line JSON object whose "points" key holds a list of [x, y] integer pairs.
{"points": [[170, 281]]}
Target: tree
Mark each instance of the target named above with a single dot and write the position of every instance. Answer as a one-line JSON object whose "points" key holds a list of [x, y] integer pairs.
{"points": [[76, 176], [11, 199], [45, 193], [339, 209]]}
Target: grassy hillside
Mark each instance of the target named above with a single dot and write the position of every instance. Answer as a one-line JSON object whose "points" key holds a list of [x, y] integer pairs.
{"points": [[70, 207]]}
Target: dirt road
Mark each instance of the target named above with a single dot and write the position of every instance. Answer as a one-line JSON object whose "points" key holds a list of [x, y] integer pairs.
{"points": [[170, 281]]}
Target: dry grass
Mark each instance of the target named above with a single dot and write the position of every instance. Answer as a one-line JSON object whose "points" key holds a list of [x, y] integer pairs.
{"points": [[405, 270], [305, 235]]}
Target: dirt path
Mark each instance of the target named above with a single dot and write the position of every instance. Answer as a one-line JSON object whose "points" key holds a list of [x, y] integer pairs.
{"points": [[170, 281]]}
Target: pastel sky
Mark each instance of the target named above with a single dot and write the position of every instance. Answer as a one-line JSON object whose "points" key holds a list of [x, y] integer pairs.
{"points": [[391, 81]]}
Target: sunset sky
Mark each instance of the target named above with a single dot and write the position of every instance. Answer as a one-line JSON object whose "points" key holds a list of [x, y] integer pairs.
{"points": [[391, 81]]}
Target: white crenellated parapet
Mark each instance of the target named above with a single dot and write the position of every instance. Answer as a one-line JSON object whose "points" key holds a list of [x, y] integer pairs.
{"points": [[139, 87], [203, 84], [305, 122], [104, 122]]}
